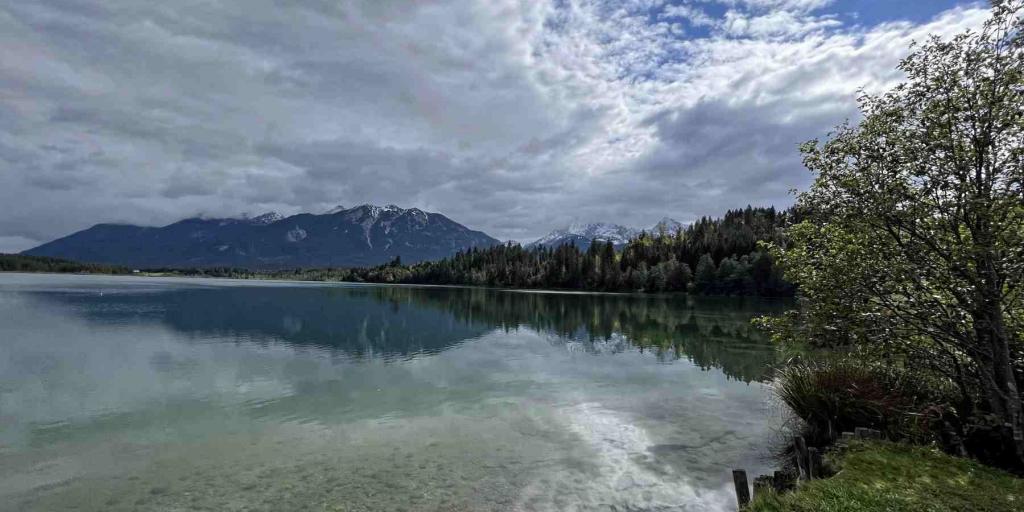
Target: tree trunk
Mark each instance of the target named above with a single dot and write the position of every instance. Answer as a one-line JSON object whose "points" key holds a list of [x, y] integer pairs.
{"points": [[998, 377]]}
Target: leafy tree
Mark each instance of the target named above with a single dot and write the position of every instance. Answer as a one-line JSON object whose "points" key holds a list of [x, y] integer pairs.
{"points": [[678, 275], [707, 274], [915, 239], [657, 278]]}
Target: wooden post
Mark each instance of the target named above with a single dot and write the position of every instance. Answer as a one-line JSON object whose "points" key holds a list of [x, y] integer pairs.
{"points": [[780, 480], [739, 478], [763, 485], [800, 452], [813, 463]]}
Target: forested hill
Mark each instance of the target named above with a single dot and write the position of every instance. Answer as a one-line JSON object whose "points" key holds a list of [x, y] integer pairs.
{"points": [[711, 256]]}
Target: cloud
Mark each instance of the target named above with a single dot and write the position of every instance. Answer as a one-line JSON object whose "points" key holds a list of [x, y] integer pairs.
{"points": [[692, 14], [511, 117], [12, 244], [789, 5], [775, 24]]}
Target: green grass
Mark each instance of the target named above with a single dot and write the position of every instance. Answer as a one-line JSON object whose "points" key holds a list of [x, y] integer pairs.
{"points": [[882, 476]]}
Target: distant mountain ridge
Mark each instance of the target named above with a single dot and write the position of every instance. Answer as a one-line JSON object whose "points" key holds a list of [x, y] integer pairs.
{"points": [[581, 235], [364, 235], [668, 226]]}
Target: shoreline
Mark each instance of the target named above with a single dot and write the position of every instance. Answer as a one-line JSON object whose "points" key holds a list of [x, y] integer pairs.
{"points": [[551, 291]]}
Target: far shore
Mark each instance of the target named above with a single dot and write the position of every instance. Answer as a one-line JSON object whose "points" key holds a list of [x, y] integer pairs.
{"points": [[167, 275]]}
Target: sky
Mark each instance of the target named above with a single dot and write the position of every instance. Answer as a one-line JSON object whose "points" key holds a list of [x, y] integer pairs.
{"points": [[513, 117]]}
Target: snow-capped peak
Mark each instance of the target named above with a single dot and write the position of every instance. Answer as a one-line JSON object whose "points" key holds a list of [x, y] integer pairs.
{"points": [[577, 231], [375, 211], [603, 231], [266, 218], [368, 209]]}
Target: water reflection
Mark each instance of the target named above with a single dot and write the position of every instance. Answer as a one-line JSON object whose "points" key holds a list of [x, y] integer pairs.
{"points": [[401, 322], [711, 332], [141, 394], [357, 322]]}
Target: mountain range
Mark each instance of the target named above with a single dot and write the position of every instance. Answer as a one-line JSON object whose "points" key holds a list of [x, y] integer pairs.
{"points": [[365, 235], [581, 235]]}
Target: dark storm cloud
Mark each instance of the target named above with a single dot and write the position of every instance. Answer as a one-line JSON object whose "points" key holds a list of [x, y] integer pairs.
{"points": [[511, 117]]}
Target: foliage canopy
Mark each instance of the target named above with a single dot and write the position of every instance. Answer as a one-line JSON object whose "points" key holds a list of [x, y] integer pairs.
{"points": [[914, 241]]}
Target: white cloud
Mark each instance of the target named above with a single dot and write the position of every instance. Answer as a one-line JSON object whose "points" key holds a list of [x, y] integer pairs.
{"points": [[789, 5], [691, 13], [775, 24], [509, 116]]}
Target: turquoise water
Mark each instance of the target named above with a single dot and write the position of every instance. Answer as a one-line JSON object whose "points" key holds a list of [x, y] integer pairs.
{"points": [[129, 393]]}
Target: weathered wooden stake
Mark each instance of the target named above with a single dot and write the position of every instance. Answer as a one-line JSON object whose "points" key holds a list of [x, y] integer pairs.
{"points": [[813, 463], [800, 449], [780, 480], [739, 478]]}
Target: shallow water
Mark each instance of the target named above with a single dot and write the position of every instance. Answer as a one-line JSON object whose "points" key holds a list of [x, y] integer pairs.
{"points": [[128, 393]]}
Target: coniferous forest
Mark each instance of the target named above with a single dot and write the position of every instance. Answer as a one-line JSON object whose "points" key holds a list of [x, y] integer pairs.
{"points": [[23, 263], [712, 256]]}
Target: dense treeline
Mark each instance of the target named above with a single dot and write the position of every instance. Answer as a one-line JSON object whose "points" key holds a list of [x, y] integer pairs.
{"points": [[22, 263], [711, 256]]}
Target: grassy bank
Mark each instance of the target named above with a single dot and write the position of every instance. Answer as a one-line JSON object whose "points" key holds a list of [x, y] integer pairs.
{"points": [[882, 476]]}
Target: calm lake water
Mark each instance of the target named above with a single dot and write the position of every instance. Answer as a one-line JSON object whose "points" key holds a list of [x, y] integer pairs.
{"points": [[128, 393]]}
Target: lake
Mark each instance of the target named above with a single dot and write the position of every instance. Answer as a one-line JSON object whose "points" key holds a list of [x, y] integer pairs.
{"points": [[134, 393]]}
